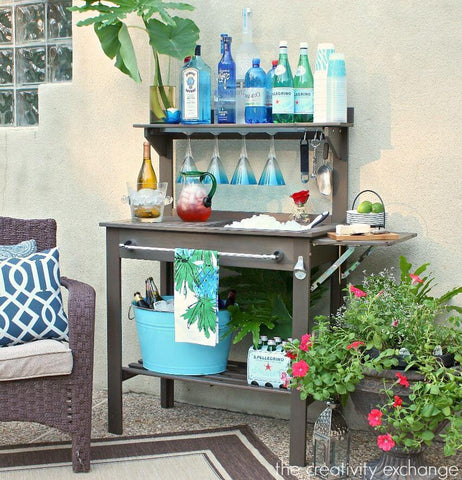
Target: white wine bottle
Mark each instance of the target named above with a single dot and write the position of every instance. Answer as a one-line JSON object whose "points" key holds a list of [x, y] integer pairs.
{"points": [[147, 177]]}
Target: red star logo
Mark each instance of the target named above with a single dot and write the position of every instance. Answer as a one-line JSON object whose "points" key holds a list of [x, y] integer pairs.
{"points": [[296, 102], [267, 366], [277, 101]]}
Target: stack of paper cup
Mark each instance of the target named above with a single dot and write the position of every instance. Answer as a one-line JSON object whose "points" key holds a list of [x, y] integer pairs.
{"points": [[336, 89], [320, 81]]}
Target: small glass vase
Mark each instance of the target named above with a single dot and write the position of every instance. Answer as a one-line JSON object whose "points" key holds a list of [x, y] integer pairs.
{"points": [[163, 105], [299, 214]]}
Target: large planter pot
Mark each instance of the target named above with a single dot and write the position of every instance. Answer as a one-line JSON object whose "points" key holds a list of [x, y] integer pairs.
{"points": [[395, 464], [399, 465], [367, 393]]}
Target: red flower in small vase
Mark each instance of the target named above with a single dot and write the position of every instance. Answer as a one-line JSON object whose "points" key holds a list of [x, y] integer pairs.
{"points": [[415, 279], [305, 342], [357, 292], [300, 369], [402, 380], [385, 442], [301, 197], [375, 417], [398, 401], [355, 345]]}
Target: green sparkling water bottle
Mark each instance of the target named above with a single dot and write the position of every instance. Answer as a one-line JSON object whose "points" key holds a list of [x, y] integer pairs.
{"points": [[303, 88], [283, 88]]}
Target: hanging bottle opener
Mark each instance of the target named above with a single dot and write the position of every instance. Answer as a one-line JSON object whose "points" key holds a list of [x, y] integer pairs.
{"points": [[304, 160], [314, 143]]}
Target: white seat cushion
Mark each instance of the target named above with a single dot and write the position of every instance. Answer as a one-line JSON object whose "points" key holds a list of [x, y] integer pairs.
{"points": [[42, 358]]}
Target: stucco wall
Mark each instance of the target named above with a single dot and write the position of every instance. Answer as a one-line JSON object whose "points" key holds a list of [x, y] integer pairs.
{"points": [[404, 76]]}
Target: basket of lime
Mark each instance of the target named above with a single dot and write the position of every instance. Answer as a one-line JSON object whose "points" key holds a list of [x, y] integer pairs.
{"points": [[368, 212]]}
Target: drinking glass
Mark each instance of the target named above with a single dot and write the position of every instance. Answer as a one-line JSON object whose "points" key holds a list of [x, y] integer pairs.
{"points": [[271, 174], [188, 164], [243, 174], [216, 167]]}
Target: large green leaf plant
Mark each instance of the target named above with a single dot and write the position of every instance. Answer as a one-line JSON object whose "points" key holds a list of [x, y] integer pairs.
{"points": [[168, 34]]}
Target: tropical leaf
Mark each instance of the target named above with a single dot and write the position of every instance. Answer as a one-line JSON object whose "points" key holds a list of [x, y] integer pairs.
{"points": [[116, 42], [204, 313], [175, 40]]}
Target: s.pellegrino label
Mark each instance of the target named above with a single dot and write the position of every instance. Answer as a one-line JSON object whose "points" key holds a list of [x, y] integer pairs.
{"points": [[255, 97], [304, 100], [190, 86], [283, 100]]}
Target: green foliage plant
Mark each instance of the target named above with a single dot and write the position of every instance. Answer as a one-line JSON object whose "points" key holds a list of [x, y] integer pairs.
{"points": [[264, 302], [168, 34]]}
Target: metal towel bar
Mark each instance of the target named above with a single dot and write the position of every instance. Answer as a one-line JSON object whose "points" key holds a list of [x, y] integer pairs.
{"points": [[277, 256]]}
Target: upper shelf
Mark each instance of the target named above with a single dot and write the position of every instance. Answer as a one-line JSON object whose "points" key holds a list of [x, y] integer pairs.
{"points": [[159, 133], [257, 130]]}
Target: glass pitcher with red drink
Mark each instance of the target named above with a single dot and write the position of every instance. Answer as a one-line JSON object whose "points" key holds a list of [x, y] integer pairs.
{"points": [[195, 200]]}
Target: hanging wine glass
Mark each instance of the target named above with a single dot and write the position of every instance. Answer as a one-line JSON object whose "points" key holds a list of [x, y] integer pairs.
{"points": [[243, 174], [188, 164], [216, 167], [271, 174]]}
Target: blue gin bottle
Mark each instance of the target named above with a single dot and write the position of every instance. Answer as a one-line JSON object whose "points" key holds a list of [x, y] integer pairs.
{"points": [[196, 98], [255, 83], [226, 91]]}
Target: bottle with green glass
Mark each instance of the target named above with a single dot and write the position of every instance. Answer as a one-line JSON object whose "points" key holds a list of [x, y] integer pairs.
{"points": [[283, 88], [303, 88]]}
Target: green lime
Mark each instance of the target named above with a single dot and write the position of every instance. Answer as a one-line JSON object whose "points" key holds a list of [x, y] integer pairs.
{"points": [[365, 207], [377, 207]]}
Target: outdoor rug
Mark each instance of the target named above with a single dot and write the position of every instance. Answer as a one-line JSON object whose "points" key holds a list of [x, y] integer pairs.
{"points": [[233, 453]]}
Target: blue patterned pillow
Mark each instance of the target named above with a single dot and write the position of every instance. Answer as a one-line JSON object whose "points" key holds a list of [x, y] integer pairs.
{"points": [[31, 306], [23, 249]]}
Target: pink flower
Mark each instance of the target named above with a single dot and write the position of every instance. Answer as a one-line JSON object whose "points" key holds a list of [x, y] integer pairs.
{"points": [[375, 417], [306, 342], [398, 401], [301, 197], [395, 322], [385, 442], [357, 292], [415, 279], [300, 369], [355, 345], [402, 380]]}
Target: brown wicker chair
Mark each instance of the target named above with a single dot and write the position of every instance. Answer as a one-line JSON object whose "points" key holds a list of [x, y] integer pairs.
{"points": [[63, 402]]}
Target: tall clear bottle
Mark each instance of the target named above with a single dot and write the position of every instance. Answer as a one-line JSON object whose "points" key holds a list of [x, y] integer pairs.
{"points": [[244, 55], [146, 177], [303, 88], [226, 92], [283, 88], [196, 101], [269, 91], [255, 82]]}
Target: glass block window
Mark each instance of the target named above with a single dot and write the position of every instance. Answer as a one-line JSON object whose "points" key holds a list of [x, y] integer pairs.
{"points": [[35, 47]]}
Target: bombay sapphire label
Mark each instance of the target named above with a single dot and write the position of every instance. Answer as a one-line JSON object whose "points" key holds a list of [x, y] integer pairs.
{"points": [[304, 101], [190, 107], [283, 100], [255, 97]]}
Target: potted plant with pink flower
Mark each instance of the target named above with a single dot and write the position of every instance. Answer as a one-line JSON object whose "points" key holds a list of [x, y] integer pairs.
{"points": [[388, 323]]}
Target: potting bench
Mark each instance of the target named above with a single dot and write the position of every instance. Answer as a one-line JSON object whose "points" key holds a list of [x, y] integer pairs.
{"points": [[264, 249]]}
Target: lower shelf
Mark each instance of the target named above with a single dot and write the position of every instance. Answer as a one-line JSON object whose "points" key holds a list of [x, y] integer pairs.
{"points": [[235, 376]]}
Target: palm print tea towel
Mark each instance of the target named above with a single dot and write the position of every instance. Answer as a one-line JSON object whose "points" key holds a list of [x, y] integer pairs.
{"points": [[196, 289]]}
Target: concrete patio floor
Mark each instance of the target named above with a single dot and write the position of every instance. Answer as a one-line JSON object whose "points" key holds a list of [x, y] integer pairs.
{"points": [[143, 416]]}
